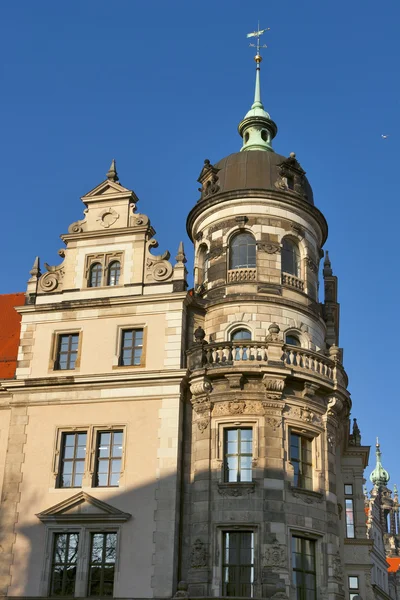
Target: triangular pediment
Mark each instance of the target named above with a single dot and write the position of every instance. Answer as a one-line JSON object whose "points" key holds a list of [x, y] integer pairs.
{"points": [[82, 507], [109, 189]]}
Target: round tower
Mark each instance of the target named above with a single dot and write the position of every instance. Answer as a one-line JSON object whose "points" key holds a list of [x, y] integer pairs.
{"points": [[268, 414]]}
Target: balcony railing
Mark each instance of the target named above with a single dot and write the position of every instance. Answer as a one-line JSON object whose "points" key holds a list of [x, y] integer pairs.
{"points": [[293, 281], [244, 274], [236, 353]]}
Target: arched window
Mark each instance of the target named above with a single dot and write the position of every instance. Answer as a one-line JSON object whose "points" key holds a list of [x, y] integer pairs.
{"points": [[292, 339], [242, 252], [290, 257], [114, 271], [240, 335], [202, 264], [95, 274]]}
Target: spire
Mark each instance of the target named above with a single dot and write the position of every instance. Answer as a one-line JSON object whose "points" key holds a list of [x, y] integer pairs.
{"points": [[257, 128], [35, 271], [327, 265], [112, 174], [181, 257], [379, 476]]}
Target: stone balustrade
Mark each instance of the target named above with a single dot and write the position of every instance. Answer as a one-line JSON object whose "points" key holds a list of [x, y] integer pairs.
{"points": [[293, 281], [242, 275], [235, 353], [294, 356]]}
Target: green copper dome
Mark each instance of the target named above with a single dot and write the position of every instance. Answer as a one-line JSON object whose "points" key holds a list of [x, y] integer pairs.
{"points": [[379, 476]]}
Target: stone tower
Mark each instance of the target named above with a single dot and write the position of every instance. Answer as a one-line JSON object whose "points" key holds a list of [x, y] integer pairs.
{"points": [[272, 503]]}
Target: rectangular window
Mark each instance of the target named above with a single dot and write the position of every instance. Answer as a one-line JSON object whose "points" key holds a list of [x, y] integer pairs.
{"points": [[238, 563], [102, 564], [348, 489], [349, 506], [353, 586], [303, 565], [301, 459], [64, 562], [67, 351], [72, 459], [238, 453], [108, 458], [131, 347]]}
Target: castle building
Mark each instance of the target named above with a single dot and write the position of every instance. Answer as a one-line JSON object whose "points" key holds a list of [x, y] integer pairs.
{"points": [[159, 442]]}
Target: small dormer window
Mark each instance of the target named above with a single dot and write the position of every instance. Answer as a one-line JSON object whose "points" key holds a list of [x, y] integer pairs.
{"points": [[290, 182], [293, 340], [264, 135], [246, 137]]}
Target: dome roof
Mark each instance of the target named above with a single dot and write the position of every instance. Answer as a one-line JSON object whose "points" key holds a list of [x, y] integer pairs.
{"points": [[257, 169]]}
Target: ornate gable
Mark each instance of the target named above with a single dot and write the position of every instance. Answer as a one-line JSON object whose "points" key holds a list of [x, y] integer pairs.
{"points": [[82, 507]]}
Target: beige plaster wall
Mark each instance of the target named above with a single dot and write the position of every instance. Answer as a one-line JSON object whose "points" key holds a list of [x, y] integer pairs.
{"points": [[151, 438]]}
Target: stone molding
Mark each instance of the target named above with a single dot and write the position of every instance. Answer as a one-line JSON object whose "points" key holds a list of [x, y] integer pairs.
{"points": [[233, 490]]}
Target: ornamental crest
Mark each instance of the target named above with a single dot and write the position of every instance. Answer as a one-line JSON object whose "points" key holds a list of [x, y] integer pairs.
{"points": [[198, 555], [275, 556]]}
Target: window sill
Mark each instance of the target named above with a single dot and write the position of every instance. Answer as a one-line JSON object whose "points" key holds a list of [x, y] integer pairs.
{"points": [[308, 496], [236, 489]]}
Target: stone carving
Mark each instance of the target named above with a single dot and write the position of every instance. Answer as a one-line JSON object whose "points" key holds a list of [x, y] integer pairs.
{"points": [[311, 264], [335, 406], [78, 226], [236, 408], [269, 247], [235, 380], [51, 280], [309, 390], [158, 266], [203, 423], [331, 441], [306, 415], [233, 491], [337, 569], [274, 387], [200, 387], [249, 408], [273, 422], [273, 335], [198, 555], [139, 220], [307, 496], [182, 590], [275, 556], [208, 179], [107, 217]]}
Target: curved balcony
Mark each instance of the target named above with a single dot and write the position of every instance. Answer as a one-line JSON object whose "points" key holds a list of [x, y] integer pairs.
{"points": [[220, 354]]}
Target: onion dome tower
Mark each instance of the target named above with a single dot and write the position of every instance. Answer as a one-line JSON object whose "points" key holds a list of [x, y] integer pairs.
{"points": [[388, 505], [269, 451]]}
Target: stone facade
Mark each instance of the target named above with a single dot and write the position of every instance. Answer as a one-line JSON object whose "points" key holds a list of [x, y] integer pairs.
{"points": [[237, 472]]}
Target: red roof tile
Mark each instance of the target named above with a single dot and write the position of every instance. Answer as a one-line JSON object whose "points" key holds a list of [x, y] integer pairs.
{"points": [[10, 325], [394, 564]]}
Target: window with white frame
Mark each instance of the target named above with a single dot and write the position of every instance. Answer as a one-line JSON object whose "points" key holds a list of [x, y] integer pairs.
{"points": [[349, 510], [354, 586], [91, 456], [238, 454]]}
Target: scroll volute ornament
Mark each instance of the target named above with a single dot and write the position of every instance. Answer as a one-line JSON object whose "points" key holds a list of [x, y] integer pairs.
{"points": [[158, 266], [52, 280]]}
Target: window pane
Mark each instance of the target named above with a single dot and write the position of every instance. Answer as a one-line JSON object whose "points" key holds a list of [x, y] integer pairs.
{"points": [[348, 490], [353, 583], [63, 571], [242, 251]]}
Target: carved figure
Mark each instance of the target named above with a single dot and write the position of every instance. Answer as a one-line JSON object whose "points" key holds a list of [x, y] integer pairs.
{"points": [[198, 555]]}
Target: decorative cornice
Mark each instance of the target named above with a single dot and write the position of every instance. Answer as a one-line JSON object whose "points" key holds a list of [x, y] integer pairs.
{"points": [[280, 196]]}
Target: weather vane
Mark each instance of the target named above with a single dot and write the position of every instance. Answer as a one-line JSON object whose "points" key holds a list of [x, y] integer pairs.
{"points": [[257, 34]]}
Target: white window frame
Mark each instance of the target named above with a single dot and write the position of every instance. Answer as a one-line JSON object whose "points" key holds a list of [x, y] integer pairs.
{"points": [[241, 422]]}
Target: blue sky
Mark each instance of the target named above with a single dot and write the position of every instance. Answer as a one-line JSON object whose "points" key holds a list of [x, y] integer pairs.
{"points": [[162, 85]]}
